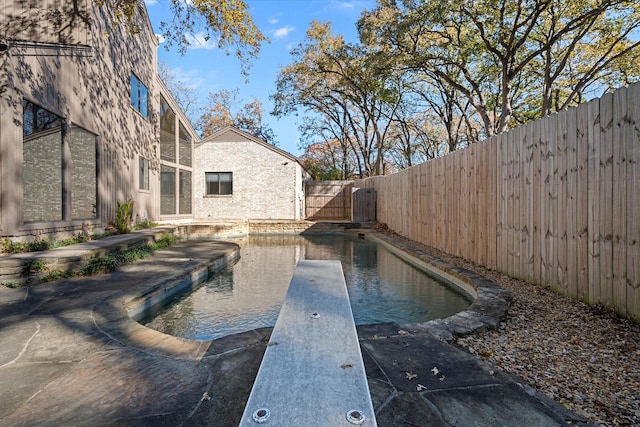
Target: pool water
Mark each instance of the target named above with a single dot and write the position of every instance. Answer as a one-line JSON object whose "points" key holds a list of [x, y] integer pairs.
{"points": [[248, 295]]}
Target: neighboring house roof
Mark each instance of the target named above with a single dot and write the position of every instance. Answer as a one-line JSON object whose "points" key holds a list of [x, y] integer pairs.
{"points": [[242, 135]]}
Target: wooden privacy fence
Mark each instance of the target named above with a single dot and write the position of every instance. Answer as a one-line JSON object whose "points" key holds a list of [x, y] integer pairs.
{"points": [[328, 200], [555, 202]]}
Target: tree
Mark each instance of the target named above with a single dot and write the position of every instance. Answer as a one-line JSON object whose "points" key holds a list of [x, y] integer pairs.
{"points": [[322, 160], [186, 96], [491, 53], [226, 21], [342, 84], [222, 112]]}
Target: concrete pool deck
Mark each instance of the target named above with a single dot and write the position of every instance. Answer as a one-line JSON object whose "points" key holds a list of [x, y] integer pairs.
{"points": [[70, 354]]}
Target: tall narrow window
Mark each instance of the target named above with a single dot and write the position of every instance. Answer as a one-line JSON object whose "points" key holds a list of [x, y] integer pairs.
{"points": [[42, 164], [184, 146], [84, 176], [219, 183], [185, 192], [139, 96], [167, 132], [143, 174], [167, 190]]}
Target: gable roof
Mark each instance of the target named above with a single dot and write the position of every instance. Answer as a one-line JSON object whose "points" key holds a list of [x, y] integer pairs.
{"points": [[242, 135]]}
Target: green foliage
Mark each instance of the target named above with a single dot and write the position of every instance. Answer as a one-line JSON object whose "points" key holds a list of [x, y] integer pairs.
{"points": [[13, 285], [144, 225], [38, 245], [124, 214], [37, 266], [224, 109], [111, 262], [55, 275], [228, 22], [10, 247]]}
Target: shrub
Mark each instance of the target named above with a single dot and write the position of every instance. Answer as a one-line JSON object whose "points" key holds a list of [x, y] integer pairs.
{"points": [[124, 214]]}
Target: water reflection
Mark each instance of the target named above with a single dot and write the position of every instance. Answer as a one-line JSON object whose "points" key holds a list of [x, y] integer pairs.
{"points": [[382, 287]]}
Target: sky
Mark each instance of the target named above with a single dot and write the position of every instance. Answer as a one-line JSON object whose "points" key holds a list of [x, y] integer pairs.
{"points": [[208, 69]]}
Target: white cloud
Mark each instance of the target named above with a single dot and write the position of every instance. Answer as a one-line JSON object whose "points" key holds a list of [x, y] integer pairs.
{"points": [[272, 21], [345, 5], [199, 41], [283, 32], [192, 79], [352, 5], [150, 2]]}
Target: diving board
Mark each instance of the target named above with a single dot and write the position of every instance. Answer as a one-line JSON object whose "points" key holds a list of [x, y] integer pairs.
{"points": [[312, 373]]}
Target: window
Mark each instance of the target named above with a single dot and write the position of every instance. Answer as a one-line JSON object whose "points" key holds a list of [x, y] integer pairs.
{"points": [[41, 164], [167, 190], [184, 197], [167, 132], [51, 150], [84, 174], [219, 183], [184, 146], [139, 96], [143, 174]]}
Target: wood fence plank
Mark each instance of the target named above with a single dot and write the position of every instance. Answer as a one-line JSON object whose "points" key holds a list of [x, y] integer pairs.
{"points": [[482, 225], [502, 209], [582, 201], [474, 196], [619, 205], [512, 144], [561, 234], [606, 200], [493, 207], [442, 208], [521, 231], [526, 156], [633, 204], [595, 235], [536, 213], [547, 151], [572, 204]]}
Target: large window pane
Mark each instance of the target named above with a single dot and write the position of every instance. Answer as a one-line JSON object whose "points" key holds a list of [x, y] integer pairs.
{"points": [[143, 174], [139, 96], [167, 190], [83, 174], [226, 183], [144, 101], [185, 147], [42, 164], [167, 132], [185, 192]]}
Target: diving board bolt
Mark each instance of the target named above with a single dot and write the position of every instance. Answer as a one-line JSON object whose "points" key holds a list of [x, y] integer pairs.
{"points": [[355, 416], [261, 415]]}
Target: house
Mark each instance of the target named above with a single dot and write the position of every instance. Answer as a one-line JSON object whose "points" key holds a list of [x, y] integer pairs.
{"points": [[86, 124], [238, 176]]}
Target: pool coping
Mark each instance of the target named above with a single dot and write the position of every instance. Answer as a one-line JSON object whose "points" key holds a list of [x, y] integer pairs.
{"points": [[116, 315]]}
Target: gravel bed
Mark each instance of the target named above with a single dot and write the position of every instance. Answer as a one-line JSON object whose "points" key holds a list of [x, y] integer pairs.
{"points": [[585, 357]]}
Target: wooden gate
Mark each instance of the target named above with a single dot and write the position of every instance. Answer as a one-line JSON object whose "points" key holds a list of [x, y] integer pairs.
{"points": [[328, 200], [363, 205]]}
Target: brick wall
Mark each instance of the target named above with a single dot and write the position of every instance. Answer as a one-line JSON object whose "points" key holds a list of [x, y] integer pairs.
{"points": [[264, 182], [42, 177], [83, 174]]}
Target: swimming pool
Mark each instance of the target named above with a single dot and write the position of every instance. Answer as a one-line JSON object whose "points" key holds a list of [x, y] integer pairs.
{"points": [[248, 295]]}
